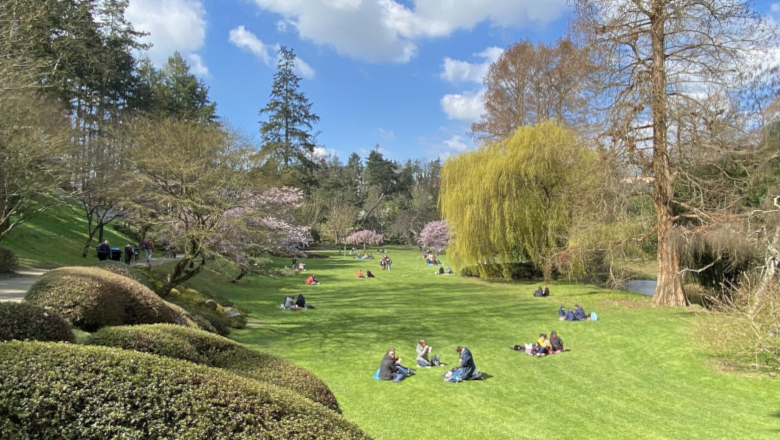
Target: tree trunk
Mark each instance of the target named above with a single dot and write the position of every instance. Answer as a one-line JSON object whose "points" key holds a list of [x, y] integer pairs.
{"points": [[100, 232], [239, 276], [770, 273], [180, 273], [669, 287]]}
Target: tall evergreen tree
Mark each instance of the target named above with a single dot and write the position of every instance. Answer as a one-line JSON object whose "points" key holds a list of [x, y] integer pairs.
{"points": [[177, 93], [287, 134]]}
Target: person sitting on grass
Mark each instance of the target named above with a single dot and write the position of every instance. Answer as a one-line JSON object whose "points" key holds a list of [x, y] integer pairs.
{"points": [[538, 292], [289, 303], [391, 369], [562, 313], [369, 274], [360, 273], [556, 344], [546, 291], [301, 301], [570, 316], [542, 346], [579, 314], [439, 272], [312, 280], [423, 350], [449, 271], [467, 366]]}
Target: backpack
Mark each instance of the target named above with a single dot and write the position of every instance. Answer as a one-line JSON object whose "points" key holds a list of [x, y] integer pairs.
{"points": [[594, 316], [435, 360]]}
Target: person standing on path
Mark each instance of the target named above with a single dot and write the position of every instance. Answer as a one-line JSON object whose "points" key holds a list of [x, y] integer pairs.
{"points": [[129, 252], [148, 247]]}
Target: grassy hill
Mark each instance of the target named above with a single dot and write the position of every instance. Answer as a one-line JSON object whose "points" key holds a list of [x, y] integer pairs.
{"points": [[56, 238], [636, 373]]}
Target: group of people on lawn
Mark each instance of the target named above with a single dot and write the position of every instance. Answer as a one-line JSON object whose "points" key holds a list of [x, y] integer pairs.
{"points": [[543, 345], [577, 315], [385, 263], [390, 367]]}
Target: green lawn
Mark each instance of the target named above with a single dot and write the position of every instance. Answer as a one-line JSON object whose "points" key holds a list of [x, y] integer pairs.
{"points": [[635, 373], [56, 237]]}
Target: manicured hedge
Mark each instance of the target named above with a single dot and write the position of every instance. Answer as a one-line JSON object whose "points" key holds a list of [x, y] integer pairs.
{"points": [[8, 261], [91, 298], [26, 321], [126, 271], [64, 391], [215, 351]]}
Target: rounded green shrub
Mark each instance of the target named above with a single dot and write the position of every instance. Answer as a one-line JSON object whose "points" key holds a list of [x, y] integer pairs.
{"points": [[126, 271], [215, 351], [26, 321], [8, 261], [91, 298], [64, 391]]}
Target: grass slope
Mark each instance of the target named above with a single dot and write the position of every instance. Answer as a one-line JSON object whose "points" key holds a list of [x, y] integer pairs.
{"points": [[55, 238], [635, 373]]}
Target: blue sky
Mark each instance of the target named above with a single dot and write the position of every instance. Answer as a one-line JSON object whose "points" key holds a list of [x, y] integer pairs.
{"points": [[404, 74]]}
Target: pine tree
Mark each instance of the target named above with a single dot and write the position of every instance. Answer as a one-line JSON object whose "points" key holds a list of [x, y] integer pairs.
{"points": [[180, 94], [287, 134]]}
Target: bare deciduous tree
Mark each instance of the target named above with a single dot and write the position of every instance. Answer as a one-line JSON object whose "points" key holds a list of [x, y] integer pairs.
{"points": [[652, 54]]}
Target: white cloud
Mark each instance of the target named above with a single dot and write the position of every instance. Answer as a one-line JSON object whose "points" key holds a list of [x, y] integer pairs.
{"points": [[323, 153], [242, 38], [388, 30], [456, 71], [456, 144], [387, 135], [173, 25], [465, 107], [444, 148], [197, 66]]}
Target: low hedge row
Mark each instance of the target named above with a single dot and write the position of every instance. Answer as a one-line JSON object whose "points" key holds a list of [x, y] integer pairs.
{"points": [[26, 321], [64, 391], [515, 271], [91, 298], [215, 351]]}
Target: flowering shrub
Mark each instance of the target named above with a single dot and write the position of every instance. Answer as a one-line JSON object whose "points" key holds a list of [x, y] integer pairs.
{"points": [[365, 237], [435, 235]]}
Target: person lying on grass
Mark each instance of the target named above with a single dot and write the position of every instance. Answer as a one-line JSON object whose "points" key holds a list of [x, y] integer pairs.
{"points": [[391, 369]]}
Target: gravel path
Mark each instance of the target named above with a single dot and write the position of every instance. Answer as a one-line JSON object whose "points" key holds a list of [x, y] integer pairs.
{"points": [[13, 287]]}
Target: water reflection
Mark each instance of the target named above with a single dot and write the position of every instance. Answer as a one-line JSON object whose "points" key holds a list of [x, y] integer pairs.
{"points": [[642, 287]]}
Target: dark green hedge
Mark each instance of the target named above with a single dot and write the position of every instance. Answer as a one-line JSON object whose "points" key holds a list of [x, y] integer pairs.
{"points": [[215, 351], [516, 271], [64, 391], [91, 298], [126, 271], [8, 261], [26, 321]]}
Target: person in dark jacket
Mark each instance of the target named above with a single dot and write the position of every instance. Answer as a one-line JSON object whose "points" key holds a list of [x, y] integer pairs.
{"points": [[538, 292], [467, 366], [369, 274], [129, 252], [562, 313], [301, 301], [103, 251], [546, 291], [570, 316], [390, 368], [579, 314], [556, 344]]}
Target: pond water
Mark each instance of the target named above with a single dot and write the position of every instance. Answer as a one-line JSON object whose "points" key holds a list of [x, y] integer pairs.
{"points": [[642, 287]]}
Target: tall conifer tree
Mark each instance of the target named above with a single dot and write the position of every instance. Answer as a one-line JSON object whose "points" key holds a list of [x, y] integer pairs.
{"points": [[287, 132]]}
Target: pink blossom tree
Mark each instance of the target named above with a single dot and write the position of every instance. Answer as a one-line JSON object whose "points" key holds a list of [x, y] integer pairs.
{"points": [[435, 235], [365, 237], [198, 185]]}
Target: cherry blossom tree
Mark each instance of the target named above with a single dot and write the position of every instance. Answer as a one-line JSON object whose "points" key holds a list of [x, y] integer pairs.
{"points": [[199, 189], [365, 237], [435, 235]]}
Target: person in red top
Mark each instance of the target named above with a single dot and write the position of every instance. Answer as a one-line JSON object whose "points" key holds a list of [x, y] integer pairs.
{"points": [[360, 273], [311, 280]]}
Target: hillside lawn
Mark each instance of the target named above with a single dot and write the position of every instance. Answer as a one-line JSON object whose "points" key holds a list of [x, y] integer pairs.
{"points": [[637, 373]]}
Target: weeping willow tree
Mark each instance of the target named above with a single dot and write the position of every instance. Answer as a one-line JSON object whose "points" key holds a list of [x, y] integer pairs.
{"points": [[516, 199]]}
